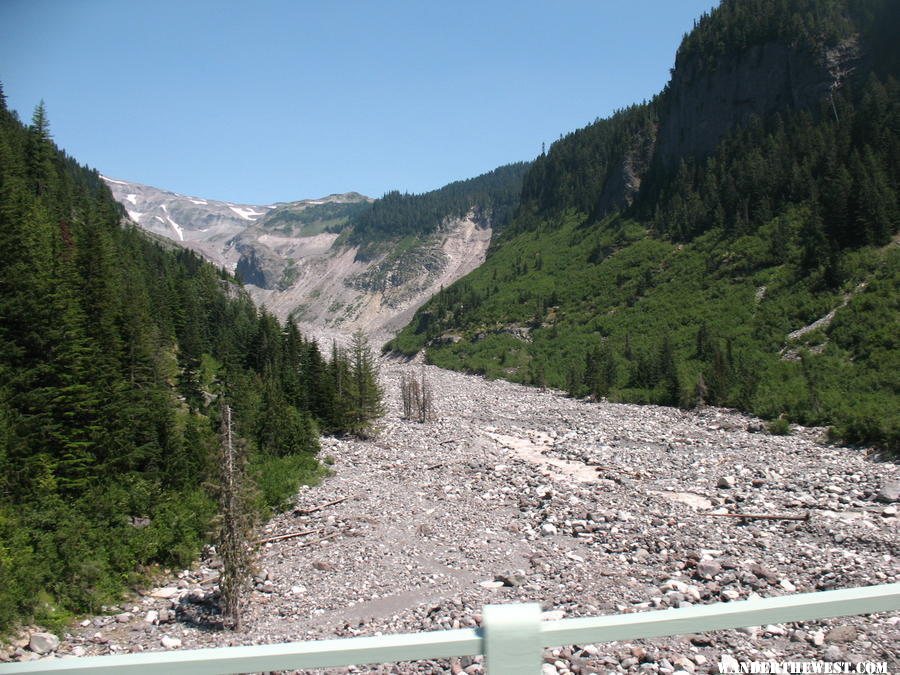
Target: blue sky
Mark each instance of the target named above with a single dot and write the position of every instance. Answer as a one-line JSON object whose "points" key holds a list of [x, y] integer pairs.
{"points": [[275, 100]]}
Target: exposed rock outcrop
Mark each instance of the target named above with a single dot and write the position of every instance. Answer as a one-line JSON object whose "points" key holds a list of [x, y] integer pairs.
{"points": [[704, 103]]}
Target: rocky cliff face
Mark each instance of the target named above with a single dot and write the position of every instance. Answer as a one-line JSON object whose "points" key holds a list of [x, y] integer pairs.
{"points": [[204, 225], [705, 102], [333, 288], [289, 257], [624, 181]]}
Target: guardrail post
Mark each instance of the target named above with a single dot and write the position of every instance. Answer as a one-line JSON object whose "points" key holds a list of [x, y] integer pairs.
{"points": [[512, 639]]}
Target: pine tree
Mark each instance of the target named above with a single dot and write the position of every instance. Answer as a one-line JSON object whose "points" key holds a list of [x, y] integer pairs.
{"points": [[364, 391], [40, 152]]}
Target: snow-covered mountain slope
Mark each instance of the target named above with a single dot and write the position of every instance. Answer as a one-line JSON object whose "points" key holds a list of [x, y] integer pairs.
{"points": [[207, 226], [292, 259]]}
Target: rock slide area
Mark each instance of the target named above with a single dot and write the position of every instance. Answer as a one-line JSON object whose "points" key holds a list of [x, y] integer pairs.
{"points": [[518, 495]]}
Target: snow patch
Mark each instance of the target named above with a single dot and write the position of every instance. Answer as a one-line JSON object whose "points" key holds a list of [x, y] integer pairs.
{"points": [[113, 180], [176, 227], [160, 220], [245, 213], [164, 208], [198, 201], [132, 198], [134, 215]]}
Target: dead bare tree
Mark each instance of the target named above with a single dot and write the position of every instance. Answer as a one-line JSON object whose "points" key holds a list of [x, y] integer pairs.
{"points": [[408, 394], [234, 527], [426, 404], [418, 401]]}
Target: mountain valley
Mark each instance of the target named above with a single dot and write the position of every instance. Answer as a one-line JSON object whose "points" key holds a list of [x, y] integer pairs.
{"points": [[294, 261], [656, 367]]}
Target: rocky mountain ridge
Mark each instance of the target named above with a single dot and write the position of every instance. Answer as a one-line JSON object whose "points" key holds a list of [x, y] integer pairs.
{"points": [[221, 231], [294, 261]]}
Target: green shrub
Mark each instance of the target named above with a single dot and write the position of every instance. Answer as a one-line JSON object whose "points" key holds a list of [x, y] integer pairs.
{"points": [[779, 427]]}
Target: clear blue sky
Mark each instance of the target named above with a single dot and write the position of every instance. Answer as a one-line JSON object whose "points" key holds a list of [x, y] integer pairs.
{"points": [[276, 100]]}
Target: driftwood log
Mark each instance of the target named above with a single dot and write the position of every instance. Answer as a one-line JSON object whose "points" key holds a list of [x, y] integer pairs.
{"points": [[314, 509]]}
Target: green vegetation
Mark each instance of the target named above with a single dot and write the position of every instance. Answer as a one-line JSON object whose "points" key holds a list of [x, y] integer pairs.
{"points": [[688, 295], [809, 25], [645, 320], [493, 196], [114, 354], [306, 220]]}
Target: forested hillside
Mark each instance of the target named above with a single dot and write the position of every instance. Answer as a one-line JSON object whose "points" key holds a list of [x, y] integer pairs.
{"points": [[115, 355], [731, 242], [492, 196]]}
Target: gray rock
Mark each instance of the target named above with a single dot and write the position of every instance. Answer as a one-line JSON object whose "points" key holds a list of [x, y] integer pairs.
{"points": [[511, 579], [726, 482], [845, 633], [708, 569], [890, 492], [833, 653], [43, 643]]}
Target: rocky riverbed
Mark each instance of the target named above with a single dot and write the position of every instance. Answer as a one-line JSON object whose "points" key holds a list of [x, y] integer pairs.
{"points": [[516, 495]]}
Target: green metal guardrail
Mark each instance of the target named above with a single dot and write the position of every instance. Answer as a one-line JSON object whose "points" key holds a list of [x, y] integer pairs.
{"points": [[511, 638]]}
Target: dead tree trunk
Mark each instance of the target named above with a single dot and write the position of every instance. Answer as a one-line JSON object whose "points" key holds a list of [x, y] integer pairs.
{"points": [[417, 398], [426, 409], [233, 542]]}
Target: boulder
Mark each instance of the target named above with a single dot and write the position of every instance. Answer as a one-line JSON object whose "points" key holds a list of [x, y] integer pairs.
{"points": [[890, 492], [43, 643]]}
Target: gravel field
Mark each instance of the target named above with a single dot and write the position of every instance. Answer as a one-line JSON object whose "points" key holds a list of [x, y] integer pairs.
{"points": [[513, 494]]}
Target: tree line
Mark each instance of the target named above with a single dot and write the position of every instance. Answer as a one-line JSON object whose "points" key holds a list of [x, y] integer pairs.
{"points": [[493, 197], [116, 353]]}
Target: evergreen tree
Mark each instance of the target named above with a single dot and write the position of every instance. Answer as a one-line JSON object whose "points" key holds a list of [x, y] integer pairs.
{"points": [[363, 391]]}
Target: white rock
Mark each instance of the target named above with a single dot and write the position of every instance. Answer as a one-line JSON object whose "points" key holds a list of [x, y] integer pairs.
{"points": [[787, 585], [43, 643], [548, 529], [170, 642], [730, 594], [164, 593]]}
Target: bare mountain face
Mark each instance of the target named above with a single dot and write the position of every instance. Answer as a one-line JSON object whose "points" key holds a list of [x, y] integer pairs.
{"points": [[294, 260], [204, 225]]}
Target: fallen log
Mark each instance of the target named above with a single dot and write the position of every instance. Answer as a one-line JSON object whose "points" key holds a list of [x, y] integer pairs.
{"points": [[314, 509], [282, 537], [759, 516]]}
